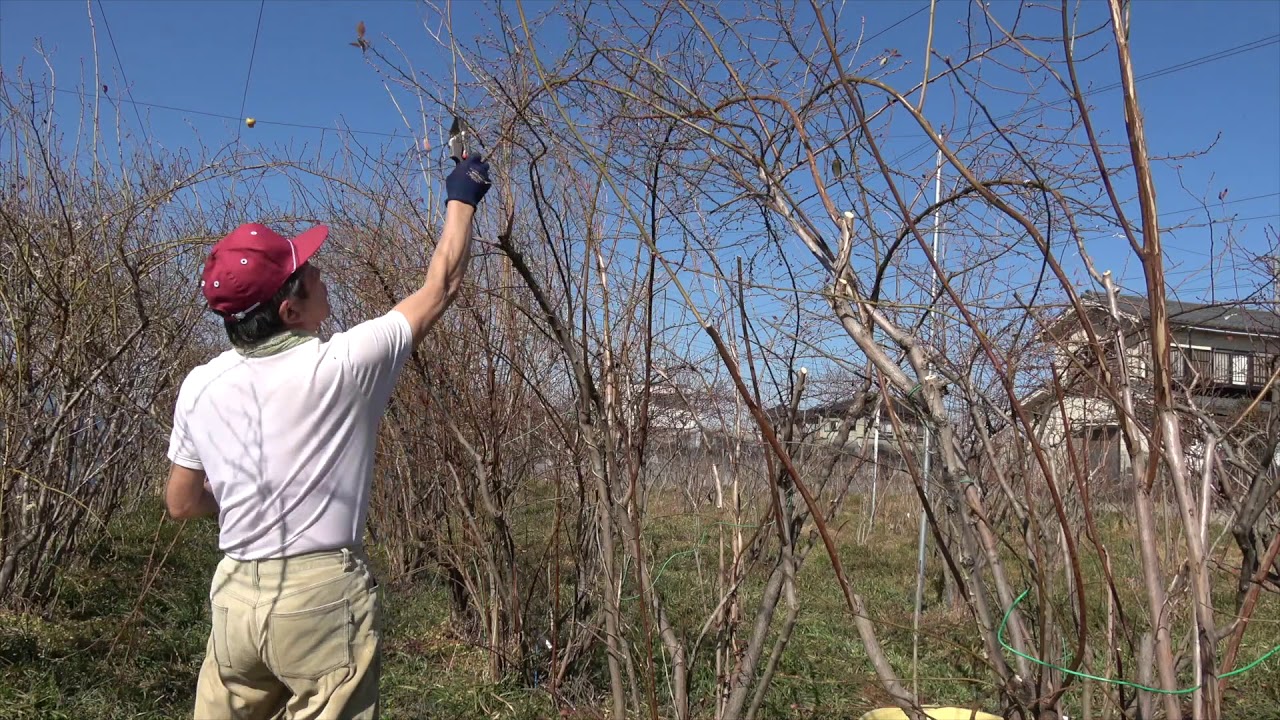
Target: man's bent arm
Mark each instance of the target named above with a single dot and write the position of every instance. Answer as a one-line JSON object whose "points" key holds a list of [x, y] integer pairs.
{"points": [[444, 274], [187, 494]]}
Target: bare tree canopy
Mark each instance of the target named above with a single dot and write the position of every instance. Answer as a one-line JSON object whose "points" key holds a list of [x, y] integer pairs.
{"points": [[746, 268]]}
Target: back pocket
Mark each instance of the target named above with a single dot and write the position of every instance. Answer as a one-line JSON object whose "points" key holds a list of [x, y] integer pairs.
{"points": [[221, 648], [311, 643]]}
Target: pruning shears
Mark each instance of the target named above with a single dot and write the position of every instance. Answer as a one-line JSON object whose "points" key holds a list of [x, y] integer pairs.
{"points": [[459, 135]]}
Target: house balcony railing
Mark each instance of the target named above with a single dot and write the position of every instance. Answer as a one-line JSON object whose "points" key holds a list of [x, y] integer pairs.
{"points": [[1221, 368]]}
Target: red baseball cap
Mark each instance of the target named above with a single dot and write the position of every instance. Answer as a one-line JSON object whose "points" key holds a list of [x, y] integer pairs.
{"points": [[248, 267]]}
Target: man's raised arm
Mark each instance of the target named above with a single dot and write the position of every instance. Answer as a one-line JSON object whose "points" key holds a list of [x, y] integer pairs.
{"points": [[466, 185]]}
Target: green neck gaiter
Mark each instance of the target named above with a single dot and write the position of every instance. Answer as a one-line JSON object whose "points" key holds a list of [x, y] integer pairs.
{"points": [[277, 344]]}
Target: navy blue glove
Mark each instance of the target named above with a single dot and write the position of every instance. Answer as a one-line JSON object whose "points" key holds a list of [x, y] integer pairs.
{"points": [[469, 181]]}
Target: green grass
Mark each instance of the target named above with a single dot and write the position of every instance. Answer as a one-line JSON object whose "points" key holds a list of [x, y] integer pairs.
{"points": [[99, 652]]}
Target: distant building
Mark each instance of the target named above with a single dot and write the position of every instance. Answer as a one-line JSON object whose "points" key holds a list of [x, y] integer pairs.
{"points": [[687, 412], [823, 424], [1221, 358]]}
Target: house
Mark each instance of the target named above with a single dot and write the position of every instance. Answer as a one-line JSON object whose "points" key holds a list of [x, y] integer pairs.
{"points": [[686, 411], [822, 424], [1222, 356]]}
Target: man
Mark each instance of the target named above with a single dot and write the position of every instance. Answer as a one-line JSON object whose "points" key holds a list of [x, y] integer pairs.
{"points": [[276, 437]]}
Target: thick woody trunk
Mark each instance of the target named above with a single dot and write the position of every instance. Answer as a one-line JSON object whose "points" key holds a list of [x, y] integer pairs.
{"points": [[1165, 430], [609, 584]]}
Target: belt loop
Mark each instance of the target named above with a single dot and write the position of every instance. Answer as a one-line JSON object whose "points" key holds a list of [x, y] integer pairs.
{"points": [[347, 565], [255, 572]]}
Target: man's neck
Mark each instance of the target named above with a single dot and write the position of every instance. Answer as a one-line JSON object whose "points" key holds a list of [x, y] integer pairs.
{"points": [[276, 344]]}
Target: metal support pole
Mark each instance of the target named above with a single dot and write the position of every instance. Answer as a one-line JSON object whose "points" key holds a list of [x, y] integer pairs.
{"points": [[875, 472], [928, 437]]}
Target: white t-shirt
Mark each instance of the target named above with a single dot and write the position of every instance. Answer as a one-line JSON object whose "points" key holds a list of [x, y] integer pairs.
{"points": [[287, 441]]}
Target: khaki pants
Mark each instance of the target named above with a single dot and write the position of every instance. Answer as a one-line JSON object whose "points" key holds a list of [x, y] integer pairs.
{"points": [[297, 638]]}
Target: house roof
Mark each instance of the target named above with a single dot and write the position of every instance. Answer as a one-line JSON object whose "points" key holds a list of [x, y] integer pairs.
{"points": [[1226, 317], [839, 409]]}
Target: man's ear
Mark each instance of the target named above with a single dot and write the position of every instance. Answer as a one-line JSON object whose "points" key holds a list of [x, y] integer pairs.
{"points": [[289, 313]]}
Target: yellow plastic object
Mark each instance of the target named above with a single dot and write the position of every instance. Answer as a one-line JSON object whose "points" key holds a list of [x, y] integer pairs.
{"points": [[936, 713]]}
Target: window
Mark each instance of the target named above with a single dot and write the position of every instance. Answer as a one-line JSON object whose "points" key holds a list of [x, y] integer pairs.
{"points": [[1139, 360], [1239, 369], [1206, 367], [1192, 362], [1221, 368], [1260, 369]]}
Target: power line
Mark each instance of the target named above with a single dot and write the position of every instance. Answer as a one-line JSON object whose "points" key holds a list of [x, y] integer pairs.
{"points": [[896, 24], [142, 128], [1198, 208], [1168, 70], [1170, 229], [1220, 220], [1167, 213], [1222, 55], [244, 96], [225, 116], [249, 73], [1196, 62], [1185, 65]]}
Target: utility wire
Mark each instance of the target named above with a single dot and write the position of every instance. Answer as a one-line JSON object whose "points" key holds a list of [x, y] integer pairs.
{"points": [[1186, 65], [142, 128], [1198, 208], [1169, 70], [253, 52], [1196, 62], [244, 96], [225, 116], [896, 24], [1220, 220], [1255, 45]]}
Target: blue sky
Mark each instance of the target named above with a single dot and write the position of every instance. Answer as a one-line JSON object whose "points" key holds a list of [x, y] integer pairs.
{"points": [[195, 55], [1238, 97]]}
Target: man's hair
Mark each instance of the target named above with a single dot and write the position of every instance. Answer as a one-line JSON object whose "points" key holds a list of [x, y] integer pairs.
{"points": [[264, 321]]}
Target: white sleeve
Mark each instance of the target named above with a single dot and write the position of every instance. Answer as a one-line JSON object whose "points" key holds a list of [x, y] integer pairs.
{"points": [[376, 350], [182, 449]]}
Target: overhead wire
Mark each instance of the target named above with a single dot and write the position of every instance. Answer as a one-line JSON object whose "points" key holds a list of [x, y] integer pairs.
{"points": [[253, 53], [1198, 208], [128, 89], [1221, 55], [1171, 69], [1178, 67], [225, 116], [896, 24], [244, 96], [1222, 220], [1168, 70]]}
